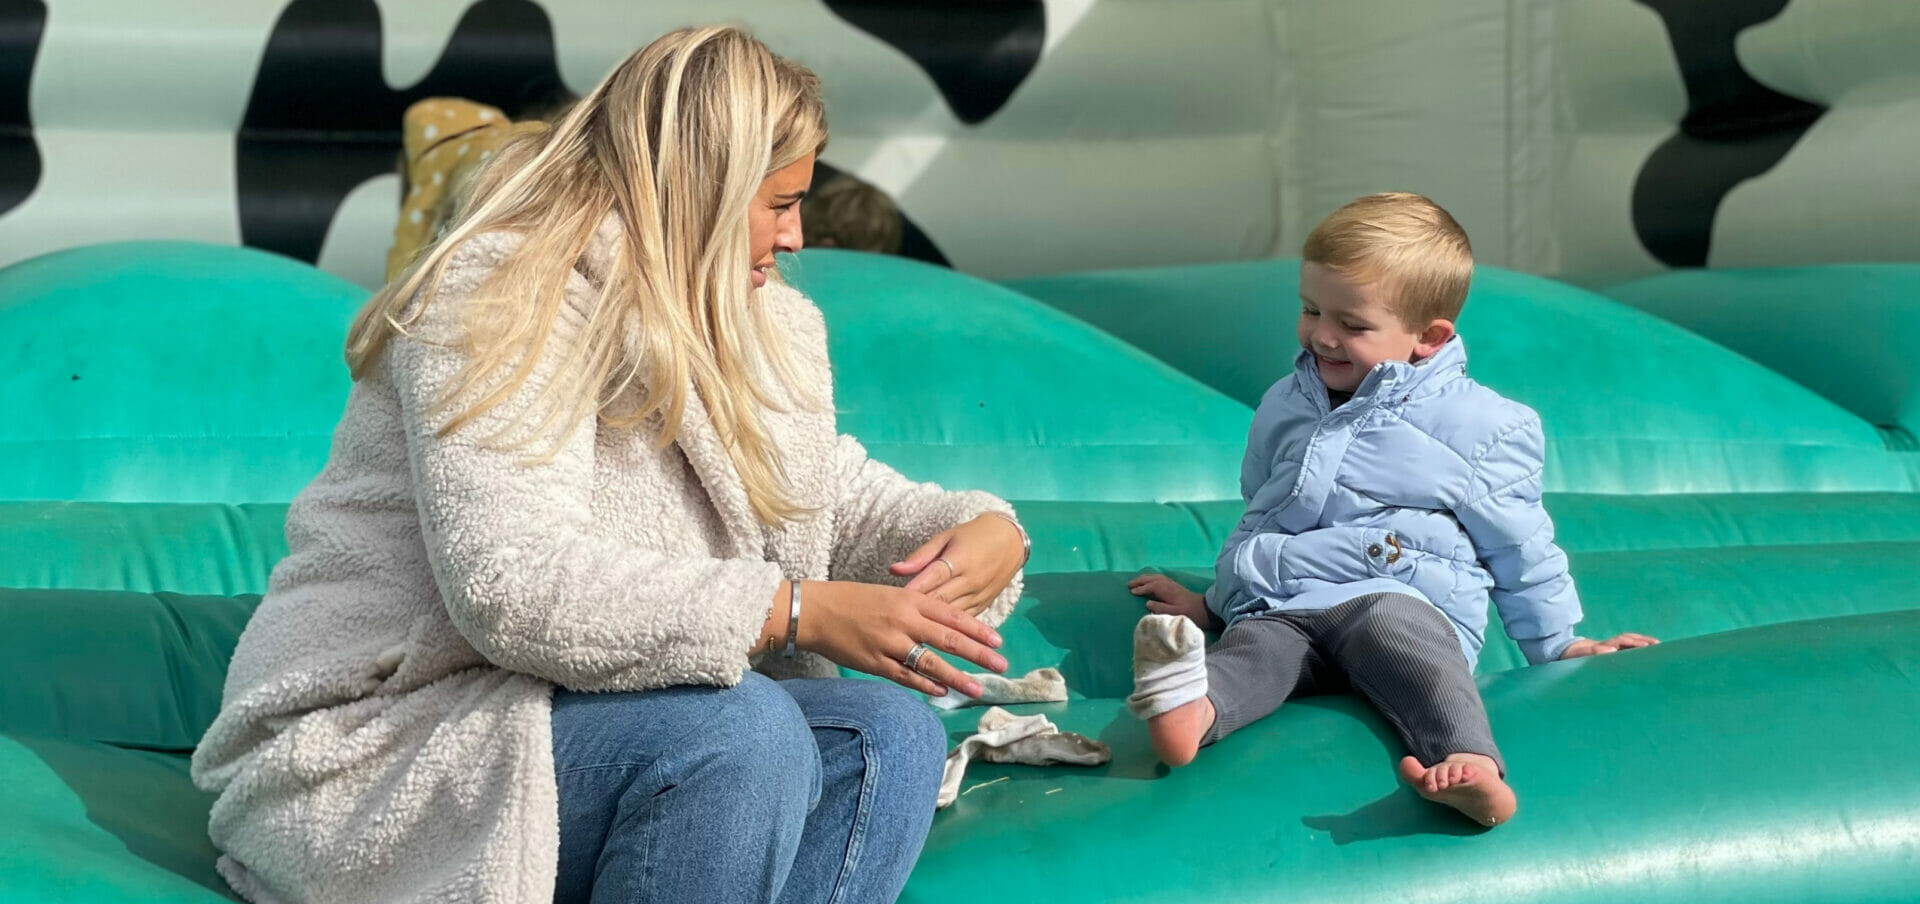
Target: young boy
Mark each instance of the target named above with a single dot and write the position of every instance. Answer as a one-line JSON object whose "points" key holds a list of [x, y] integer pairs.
{"points": [[1387, 494], [845, 212]]}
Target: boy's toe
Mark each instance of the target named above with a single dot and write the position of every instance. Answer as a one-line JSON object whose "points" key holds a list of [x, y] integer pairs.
{"points": [[1411, 771]]}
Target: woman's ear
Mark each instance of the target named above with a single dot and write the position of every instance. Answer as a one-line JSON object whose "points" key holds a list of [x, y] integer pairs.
{"points": [[1435, 335]]}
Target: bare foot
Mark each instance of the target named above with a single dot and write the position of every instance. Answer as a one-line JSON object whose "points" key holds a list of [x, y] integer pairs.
{"points": [[1468, 782], [1176, 733]]}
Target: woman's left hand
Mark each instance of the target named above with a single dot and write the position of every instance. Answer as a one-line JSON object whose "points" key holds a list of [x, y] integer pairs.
{"points": [[967, 566]]}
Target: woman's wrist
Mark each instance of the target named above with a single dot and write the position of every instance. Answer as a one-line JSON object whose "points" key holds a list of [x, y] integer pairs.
{"points": [[1026, 542], [793, 618], [773, 632], [816, 612]]}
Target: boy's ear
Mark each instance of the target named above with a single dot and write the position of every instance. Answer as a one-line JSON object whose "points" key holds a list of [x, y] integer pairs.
{"points": [[1436, 334]]}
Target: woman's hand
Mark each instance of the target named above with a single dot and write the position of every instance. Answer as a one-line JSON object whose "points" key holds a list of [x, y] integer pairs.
{"points": [[873, 628], [967, 566]]}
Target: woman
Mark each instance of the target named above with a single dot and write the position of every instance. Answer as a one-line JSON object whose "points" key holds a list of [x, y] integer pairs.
{"points": [[587, 475]]}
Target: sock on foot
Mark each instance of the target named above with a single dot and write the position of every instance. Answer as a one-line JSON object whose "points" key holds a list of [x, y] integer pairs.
{"points": [[1169, 664]]}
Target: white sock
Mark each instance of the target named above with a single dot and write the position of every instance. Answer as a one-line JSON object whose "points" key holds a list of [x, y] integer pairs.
{"points": [[1038, 686], [1006, 738], [1169, 664]]}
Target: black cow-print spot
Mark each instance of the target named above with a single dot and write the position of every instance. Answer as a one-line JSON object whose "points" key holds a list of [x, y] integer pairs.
{"points": [[22, 24], [1735, 129], [976, 51], [322, 119], [914, 241]]}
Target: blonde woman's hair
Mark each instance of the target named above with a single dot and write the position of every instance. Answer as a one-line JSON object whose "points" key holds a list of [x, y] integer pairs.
{"points": [[676, 141], [1404, 241]]}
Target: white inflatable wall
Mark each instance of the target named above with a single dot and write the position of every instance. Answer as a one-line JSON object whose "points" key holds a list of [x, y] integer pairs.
{"points": [[1148, 132]]}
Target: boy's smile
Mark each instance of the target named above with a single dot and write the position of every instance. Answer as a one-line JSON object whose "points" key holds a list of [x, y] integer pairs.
{"points": [[1350, 327]]}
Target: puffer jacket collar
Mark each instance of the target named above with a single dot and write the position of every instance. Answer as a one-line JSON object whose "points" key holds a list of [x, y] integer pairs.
{"points": [[1391, 383]]}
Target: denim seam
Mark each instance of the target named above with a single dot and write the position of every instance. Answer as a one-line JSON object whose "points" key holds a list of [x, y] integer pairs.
{"points": [[862, 805], [575, 770], [648, 864]]}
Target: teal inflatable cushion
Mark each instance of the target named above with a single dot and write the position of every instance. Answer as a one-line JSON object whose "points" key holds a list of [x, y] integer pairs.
{"points": [[182, 372], [957, 380], [1082, 622], [142, 670], [1842, 330], [1631, 404], [168, 372], [210, 548], [146, 668], [229, 549], [89, 823], [1770, 764], [184, 547], [1646, 776]]}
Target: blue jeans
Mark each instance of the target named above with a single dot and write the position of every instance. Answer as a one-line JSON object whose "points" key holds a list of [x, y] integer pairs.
{"points": [[814, 791]]}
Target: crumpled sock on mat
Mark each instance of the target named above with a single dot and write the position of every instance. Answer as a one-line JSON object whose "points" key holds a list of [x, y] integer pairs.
{"points": [[1038, 686], [1031, 740], [1169, 664]]}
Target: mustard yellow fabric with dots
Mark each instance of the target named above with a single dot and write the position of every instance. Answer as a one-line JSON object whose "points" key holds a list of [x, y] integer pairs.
{"points": [[444, 140]]}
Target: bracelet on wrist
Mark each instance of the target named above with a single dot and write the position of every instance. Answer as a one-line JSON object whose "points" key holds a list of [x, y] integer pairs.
{"points": [[1026, 542], [793, 617]]}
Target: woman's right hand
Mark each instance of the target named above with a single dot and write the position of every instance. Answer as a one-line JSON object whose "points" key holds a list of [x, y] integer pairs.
{"points": [[872, 627]]}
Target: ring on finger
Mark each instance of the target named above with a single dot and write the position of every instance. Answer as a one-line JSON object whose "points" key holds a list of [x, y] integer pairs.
{"points": [[951, 571], [912, 660]]}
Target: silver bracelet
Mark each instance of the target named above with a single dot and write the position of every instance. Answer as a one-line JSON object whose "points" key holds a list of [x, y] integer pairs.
{"points": [[793, 616], [1026, 542]]}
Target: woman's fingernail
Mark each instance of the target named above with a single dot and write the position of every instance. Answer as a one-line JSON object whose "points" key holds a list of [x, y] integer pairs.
{"points": [[994, 637]]}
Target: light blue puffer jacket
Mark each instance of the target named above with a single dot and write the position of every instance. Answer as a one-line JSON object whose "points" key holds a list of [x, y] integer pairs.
{"points": [[1425, 483]]}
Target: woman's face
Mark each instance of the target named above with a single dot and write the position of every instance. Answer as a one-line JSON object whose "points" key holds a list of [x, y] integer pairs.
{"points": [[773, 220]]}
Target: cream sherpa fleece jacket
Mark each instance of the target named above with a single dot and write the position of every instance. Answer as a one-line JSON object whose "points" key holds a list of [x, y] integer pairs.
{"points": [[385, 732]]}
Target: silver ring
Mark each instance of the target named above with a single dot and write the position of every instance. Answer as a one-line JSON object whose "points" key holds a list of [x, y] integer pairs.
{"points": [[952, 572], [919, 652]]}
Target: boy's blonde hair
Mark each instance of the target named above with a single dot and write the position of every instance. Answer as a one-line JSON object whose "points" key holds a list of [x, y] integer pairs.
{"points": [[1405, 241], [676, 141]]}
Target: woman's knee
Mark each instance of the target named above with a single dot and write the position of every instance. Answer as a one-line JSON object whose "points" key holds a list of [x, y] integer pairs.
{"points": [[902, 749], [908, 725], [758, 729], [895, 726], [753, 728]]}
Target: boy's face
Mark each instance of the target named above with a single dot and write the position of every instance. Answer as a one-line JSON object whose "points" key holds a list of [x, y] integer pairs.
{"points": [[1351, 327]]}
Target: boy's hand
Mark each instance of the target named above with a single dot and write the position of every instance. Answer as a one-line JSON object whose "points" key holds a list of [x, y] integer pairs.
{"points": [[1165, 596], [1614, 644]]}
